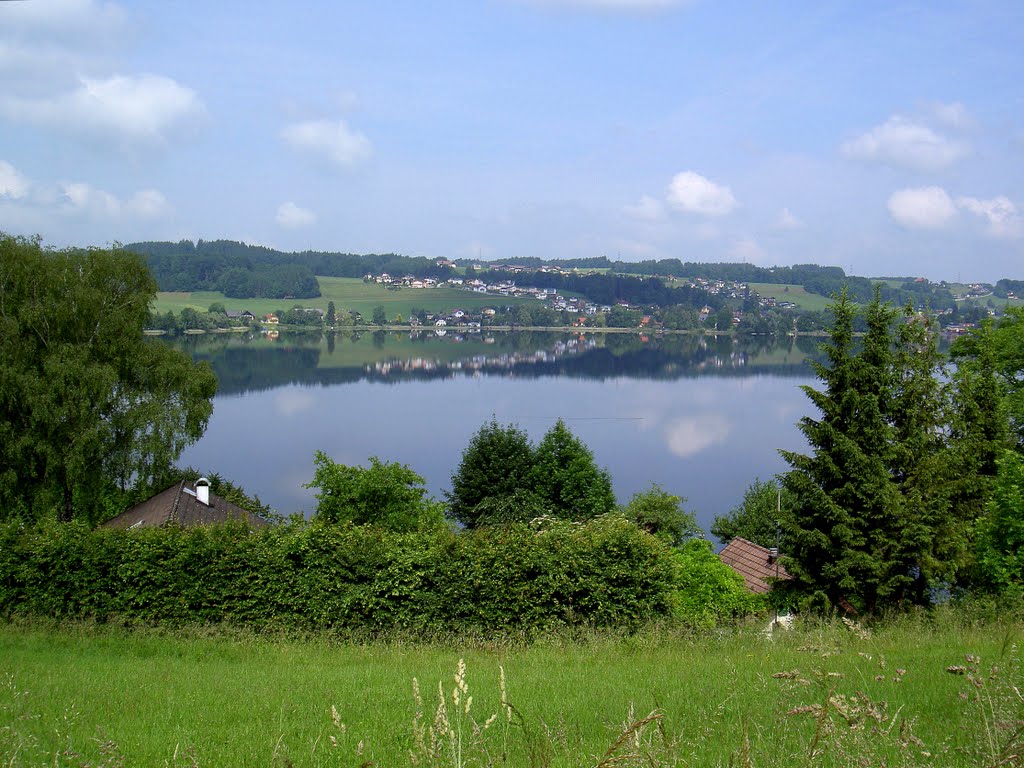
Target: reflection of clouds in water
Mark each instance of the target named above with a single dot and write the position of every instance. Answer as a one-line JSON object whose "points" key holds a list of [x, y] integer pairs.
{"points": [[292, 401], [689, 436]]}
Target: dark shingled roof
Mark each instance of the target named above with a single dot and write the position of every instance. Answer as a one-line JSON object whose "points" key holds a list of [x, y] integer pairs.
{"points": [[178, 505], [753, 562]]}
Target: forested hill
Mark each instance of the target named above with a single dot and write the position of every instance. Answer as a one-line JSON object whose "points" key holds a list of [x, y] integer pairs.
{"points": [[244, 271]]}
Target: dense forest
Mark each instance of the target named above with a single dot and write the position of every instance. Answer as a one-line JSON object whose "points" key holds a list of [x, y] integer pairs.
{"points": [[248, 271]]}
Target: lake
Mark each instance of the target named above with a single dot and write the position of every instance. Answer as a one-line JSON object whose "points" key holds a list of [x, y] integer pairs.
{"points": [[701, 417]]}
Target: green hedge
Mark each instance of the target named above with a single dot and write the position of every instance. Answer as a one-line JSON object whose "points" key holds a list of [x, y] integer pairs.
{"points": [[314, 577]]}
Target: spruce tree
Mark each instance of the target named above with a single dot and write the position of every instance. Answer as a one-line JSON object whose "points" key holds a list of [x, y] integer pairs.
{"points": [[497, 463], [566, 477], [844, 526]]}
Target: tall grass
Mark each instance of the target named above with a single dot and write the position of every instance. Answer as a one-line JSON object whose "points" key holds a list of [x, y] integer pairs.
{"points": [[915, 692]]}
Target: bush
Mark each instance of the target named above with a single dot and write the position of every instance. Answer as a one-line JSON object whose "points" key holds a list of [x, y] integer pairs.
{"points": [[708, 591], [342, 577]]}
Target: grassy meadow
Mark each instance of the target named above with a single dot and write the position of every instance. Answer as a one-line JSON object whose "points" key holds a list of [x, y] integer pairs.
{"points": [[911, 693], [794, 293], [346, 293]]}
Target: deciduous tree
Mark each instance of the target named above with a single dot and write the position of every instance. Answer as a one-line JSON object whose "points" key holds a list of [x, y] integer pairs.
{"points": [[85, 399], [387, 494]]}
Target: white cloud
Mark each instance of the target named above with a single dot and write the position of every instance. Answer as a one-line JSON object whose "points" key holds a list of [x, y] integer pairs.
{"points": [[140, 110], [330, 140], [693, 193], [79, 196], [148, 203], [689, 436], [788, 221], [921, 207], [904, 143], [646, 209], [291, 216], [1001, 215], [13, 185]]}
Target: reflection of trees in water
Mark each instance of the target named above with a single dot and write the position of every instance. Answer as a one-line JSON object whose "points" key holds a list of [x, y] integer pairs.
{"points": [[250, 363]]}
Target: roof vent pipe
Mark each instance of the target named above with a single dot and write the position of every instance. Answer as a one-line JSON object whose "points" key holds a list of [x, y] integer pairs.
{"points": [[203, 491]]}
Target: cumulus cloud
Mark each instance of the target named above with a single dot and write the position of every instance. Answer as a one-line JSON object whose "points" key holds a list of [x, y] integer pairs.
{"points": [[901, 142], [141, 110], [329, 140], [13, 186], [921, 207], [291, 216], [80, 197], [1000, 214], [148, 204], [693, 193], [646, 209]]}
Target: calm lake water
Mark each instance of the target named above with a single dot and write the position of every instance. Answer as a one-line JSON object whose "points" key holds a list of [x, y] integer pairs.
{"points": [[701, 417]]}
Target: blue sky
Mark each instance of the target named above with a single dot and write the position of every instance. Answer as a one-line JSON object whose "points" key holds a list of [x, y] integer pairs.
{"points": [[884, 137]]}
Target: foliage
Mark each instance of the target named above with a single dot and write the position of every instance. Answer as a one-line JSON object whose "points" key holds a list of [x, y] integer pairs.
{"points": [[564, 474], [757, 517], [203, 265], [870, 523], [1001, 533], [273, 281], [661, 514], [709, 592], [496, 463], [87, 402], [379, 315], [520, 506], [386, 494], [308, 576]]}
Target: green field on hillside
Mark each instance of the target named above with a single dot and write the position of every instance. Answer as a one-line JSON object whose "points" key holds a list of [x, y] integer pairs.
{"points": [[913, 694], [794, 293], [346, 293]]}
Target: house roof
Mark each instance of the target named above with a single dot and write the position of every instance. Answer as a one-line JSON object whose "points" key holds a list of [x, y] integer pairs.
{"points": [[178, 505], [756, 564]]}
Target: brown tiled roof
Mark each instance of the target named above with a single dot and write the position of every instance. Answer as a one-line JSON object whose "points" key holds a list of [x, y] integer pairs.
{"points": [[178, 505], [753, 562]]}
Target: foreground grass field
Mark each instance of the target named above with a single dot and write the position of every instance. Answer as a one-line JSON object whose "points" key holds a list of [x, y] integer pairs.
{"points": [[346, 293], [910, 694]]}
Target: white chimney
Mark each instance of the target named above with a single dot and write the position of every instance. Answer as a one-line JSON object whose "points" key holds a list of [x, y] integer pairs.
{"points": [[203, 491]]}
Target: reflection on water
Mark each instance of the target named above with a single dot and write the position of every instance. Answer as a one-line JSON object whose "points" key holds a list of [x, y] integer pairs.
{"points": [[700, 417], [251, 362]]}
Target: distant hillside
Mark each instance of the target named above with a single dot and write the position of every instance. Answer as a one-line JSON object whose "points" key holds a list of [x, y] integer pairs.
{"points": [[243, 271], [252, 271]]}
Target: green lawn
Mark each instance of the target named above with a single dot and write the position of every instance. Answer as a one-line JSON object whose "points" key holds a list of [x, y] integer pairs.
{"points": [[819, 695], [346, 293], [794, 293]]}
